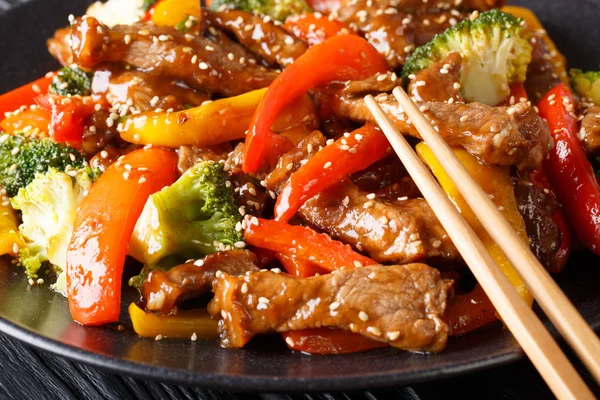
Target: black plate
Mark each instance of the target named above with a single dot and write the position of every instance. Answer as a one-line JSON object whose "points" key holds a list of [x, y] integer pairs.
{"points": [[41, 318]]}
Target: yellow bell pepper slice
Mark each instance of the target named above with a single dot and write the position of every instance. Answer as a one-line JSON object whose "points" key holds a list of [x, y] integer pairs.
{"points": [[10, 239], [173, 12], [216, 122], [496, 182], [209, 124], [181, 325], [533, 23]]}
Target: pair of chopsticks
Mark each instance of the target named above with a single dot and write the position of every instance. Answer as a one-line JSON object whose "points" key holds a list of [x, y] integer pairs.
{"points": [[536, 341]]}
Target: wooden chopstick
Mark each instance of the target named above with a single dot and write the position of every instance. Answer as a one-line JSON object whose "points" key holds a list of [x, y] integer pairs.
{"points": [[548, 294], [528, 330]]}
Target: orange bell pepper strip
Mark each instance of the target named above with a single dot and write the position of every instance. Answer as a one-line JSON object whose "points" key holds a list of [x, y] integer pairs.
{"points": [[348, 57], [104, 224], [183, 324], [301, 268], [24, 96], [303, 243], [329, 341], [532, 23], [313, 28], [569, 170], [496, 182], [345, 156], [33, 121]]}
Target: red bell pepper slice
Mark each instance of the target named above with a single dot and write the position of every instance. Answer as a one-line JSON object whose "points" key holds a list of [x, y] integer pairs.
{"points": [[470, 311], [314, 29], [302, 243], [24, 96], [329, 341], [345, 156], [347, 56], [69, 115], [568, 168], [102, 230]]}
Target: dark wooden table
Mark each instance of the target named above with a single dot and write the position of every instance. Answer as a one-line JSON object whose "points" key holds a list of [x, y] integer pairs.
{"points": [[28, 373]]}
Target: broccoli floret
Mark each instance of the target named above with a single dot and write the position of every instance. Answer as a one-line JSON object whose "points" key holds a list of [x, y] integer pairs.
{"points": [[494, 55], [195, 216], [147, 4], [276, 9], [22, 157], [48, 208], [586, 84], [71, 80]]}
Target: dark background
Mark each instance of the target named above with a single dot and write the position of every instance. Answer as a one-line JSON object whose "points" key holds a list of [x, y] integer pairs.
{"points": [[27, 373]]}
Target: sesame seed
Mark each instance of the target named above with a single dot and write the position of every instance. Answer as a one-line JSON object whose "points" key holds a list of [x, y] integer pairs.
{"points": [[357, 264], [244, 287], [194, 59], [203, 65], [327, 165], [240, 244], [263, 300], [142, 180], [40, 281], [289, 341], [374, 330], [334, 306], [393, 335], [363, 316], [127, 39], [15, 151], [371, 196], [368, 204], [158, 337], [194, 337], [104, 154], [199, 263], [289, 166], [15, 248], [230, 56]]}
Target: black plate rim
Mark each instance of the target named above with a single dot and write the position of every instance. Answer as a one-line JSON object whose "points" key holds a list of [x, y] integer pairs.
{"points": [[253, 383]]}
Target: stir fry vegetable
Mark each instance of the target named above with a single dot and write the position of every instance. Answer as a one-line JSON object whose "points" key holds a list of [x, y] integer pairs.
{"points": [[24, 96], [102, 230], [349, 57], [569, 170], [196, 324], [495, 181], [303, 243], [347, 155]]}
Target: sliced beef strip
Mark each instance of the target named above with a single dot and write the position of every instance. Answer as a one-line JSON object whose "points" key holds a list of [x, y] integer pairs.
{"points": [[394, 32], [541, 74], [513, 135], [589, 133], [220, 65], [188, 156], [261, 35], [389, 231], [429, 85], [142, 92], [163, 291], [59, 46], [401, 305], [536, 208], [251, 195]]}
